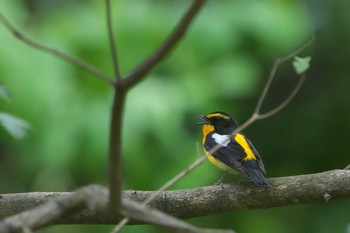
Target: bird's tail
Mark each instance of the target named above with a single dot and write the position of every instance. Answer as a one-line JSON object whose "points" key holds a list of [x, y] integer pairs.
{"points": [[253, 171]]}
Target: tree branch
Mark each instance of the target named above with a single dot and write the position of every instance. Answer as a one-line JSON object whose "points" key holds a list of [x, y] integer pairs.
{"points": [[121, 88], [95, 198], [55, 52], [138, 211], [164, 187], [115, 150], [140, 72], [286, 101], [189, 203], [52, 211], [273, 71], [112, 40]]}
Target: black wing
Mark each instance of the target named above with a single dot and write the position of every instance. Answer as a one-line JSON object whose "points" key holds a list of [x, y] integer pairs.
{"points": [[257, 155], [233, 155]]}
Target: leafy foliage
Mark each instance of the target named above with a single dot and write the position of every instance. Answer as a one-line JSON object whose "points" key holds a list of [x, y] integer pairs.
{"points": [[15, 126], [4, 94], [301, 64]]}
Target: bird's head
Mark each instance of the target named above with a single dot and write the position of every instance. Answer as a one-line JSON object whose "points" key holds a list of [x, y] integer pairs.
{"points": [[221, 122]]}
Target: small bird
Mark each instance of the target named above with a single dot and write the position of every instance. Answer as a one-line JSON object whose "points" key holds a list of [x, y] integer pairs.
{"points": [[236, 153]]}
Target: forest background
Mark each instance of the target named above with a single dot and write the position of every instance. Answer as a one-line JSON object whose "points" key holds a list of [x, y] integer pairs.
{"points": [[221, 64]]}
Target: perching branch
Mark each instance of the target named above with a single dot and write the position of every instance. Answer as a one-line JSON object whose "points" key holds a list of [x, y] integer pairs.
{"points": [[55, 52], [313, 188], [189, 203]]}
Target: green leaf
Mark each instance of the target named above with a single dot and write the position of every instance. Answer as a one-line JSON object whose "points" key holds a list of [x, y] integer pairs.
{"points": [[4, 94], [301, 64], [15, 126]]}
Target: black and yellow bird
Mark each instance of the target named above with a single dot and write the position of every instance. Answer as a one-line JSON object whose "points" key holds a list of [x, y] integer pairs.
{"points": [[236, 153]]}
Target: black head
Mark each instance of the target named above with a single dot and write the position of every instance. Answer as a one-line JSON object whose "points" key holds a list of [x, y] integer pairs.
{"points": [[223, 122]]}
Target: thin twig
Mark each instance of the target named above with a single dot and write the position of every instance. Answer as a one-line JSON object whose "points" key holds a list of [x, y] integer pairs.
{"points": [[140, 72], [26, 230], [120, 225], [70, 59], [138, 211], [267, 86], [198, 149], [286, 101], [112, 42], [175, 179], [273, 71], [298, 49]]}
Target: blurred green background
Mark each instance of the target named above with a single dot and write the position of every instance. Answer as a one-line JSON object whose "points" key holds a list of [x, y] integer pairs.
{"points": [[221, 64]]}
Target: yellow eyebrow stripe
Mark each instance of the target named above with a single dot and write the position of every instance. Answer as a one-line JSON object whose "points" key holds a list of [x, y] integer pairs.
{"points": [[211, 115], [241, 140]]}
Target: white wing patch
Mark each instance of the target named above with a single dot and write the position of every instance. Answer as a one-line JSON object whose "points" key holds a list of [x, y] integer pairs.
{"points": [[223, 140]]}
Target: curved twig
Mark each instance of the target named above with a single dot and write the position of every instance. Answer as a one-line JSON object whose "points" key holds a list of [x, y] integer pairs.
{"points": [[273, 71], [286, 101], [112, 40], [70, 59], [140, 72]]}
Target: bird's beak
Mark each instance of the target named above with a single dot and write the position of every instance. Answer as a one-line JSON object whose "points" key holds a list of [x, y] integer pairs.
{"points": [[205, 120]]}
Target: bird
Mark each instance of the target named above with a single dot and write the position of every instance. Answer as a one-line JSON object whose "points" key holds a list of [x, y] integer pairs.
{"points": [[236, 154]]}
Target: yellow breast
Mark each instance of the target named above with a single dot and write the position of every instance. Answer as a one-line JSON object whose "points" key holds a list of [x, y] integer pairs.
{"points": [[217, 163]]}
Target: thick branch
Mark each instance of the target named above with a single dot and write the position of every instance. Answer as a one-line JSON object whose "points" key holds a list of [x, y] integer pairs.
{"points": [[190, 203], [54, 210], [123, 85], [95, 199], [115, 151]]}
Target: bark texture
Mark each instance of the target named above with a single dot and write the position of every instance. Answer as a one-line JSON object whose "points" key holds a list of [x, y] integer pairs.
{"points": [[189, 203]]}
